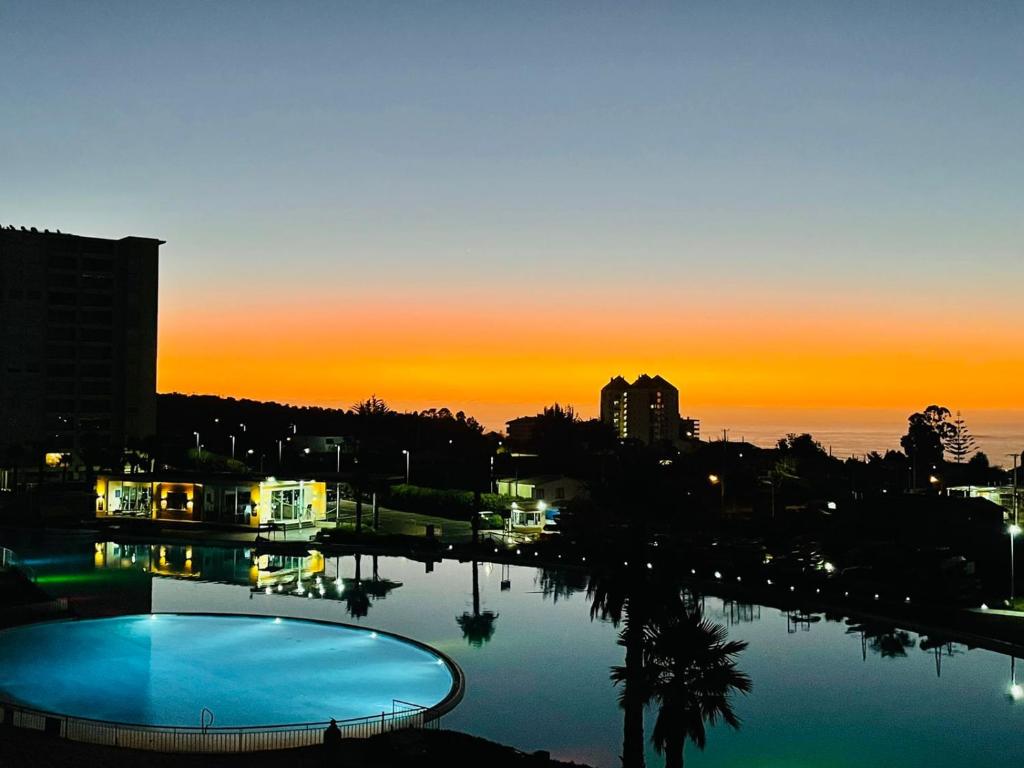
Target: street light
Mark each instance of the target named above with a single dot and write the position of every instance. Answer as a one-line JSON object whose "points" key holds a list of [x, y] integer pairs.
{"points": [[197, 440], [337, 460], [1014, 530], [408, 457], [1015, 692], [232, 446]]}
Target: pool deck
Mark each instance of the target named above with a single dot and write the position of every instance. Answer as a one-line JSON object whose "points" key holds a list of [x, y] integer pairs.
{"points": [[29, 749]]}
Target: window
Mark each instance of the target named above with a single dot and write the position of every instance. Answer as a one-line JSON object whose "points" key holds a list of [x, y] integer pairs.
{"points": [[177, 501], [97, 264], [61, 333], [95, 370], [94, 353], [61, 315], [94, 334], [63, 260], [97, 317], [97, 300], [61, 298], [60, 369]]}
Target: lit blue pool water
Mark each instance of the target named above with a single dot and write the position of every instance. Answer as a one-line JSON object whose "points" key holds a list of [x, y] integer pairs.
{"points": [[164, 669]]}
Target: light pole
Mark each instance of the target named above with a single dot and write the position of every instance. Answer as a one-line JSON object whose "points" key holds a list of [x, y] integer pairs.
{"points": [[232, 446], [1016, 458], [1013, 531], [197, 440], [408, 457], [1015, 692], [280, 451], [242, 427], [337, 459]]}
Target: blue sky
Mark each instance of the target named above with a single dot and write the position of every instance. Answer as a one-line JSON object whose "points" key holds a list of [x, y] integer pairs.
{"points": [[827, 154]]}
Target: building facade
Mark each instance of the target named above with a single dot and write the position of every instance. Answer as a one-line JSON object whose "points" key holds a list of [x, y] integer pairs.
{"points": [[78, 336], [241, 500], [646, 410]]}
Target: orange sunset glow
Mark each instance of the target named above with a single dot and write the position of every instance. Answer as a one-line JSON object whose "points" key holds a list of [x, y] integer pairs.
{"points": [[497, 362]]}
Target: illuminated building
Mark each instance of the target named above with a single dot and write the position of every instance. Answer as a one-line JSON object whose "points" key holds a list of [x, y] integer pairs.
{"points": [[646, 410], [78, 324], [241, 500]]}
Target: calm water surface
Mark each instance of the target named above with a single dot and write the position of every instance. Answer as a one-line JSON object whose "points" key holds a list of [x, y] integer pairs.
{"points": [[537, 665]]}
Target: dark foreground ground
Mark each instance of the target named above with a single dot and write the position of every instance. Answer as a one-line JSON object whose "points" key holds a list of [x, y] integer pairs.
{"points": [[29, 749]]}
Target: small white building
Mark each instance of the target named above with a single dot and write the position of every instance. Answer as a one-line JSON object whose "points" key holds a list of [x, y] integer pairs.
{"points": [[551, 489]]}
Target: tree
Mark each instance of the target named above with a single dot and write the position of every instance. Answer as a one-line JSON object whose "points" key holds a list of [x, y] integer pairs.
{"points": [[958, 440], [692, 674], [477, 627], [373, 406], [923, 442]]}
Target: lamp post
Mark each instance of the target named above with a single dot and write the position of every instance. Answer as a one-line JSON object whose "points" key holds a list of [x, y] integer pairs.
{"points": [[1013, 530], [408, 457], [1016, 458], [337, 459], [280, 451], [197, 440], [232, 446], [1015, 692]]}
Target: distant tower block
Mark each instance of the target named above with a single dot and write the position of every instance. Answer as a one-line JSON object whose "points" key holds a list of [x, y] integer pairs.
{"points": [[646, 410]]}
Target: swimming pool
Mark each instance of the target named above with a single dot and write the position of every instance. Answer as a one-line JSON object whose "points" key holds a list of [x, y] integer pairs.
{"points": [[165, 669]]}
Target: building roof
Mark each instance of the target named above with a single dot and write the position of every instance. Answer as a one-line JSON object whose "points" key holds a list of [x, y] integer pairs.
{"points": [[650, 382], [537, 479], [616, 382], [57, 233]]}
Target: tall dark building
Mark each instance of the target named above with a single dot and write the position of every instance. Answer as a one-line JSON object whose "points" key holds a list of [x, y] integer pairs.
{"points": [[78, 322], [646, 410]]}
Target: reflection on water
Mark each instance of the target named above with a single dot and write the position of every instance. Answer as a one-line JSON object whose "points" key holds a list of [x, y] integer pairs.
{"points": [[477, 627], [621, 665]]}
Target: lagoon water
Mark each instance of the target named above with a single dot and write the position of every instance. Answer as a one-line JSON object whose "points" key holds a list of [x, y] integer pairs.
{"points": [[826, 692]]}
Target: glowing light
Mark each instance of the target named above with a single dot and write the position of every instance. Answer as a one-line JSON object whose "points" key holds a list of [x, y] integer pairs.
{"points": [[1016, 692], [829, 568], [718, 574], [1014, 530], [713, 479]]}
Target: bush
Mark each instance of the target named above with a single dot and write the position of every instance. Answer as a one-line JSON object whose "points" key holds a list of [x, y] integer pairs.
{"points": [[455, 505]]}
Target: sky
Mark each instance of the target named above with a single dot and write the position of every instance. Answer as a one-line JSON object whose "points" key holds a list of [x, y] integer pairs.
{"points": [[795, 212]]}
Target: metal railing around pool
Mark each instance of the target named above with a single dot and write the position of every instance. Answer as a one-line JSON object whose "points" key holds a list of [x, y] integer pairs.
{"points": [[209, 739]]}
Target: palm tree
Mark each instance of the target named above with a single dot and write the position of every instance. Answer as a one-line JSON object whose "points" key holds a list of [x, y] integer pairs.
{"points": [[691, 673], [357, 599], [478, 626], [633, 596]]}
